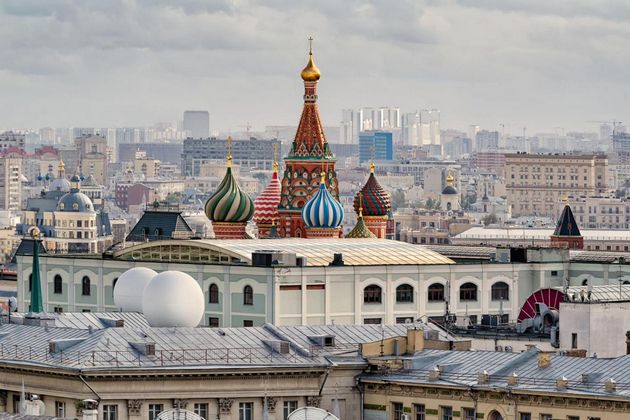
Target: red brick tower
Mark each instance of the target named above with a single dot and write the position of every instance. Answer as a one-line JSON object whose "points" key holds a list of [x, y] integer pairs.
{"points": [[309, 155]]}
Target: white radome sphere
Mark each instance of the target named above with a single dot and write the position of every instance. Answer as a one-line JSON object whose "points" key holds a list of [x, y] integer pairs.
{"points": [[173, 299], [130, 287]]}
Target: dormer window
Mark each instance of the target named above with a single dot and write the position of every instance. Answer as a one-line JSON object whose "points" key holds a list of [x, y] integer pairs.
{"points": [[61, 206], [75, 206]]}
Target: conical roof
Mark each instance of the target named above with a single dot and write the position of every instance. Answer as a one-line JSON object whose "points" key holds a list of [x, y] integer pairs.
{"points": [[322, 210], [229, 203], [567, 226], [376, 201], [360, 230], [266, 204]]}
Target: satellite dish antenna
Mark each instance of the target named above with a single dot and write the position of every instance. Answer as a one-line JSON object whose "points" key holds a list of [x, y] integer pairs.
{"points": [[12, 304], [311, 413]]}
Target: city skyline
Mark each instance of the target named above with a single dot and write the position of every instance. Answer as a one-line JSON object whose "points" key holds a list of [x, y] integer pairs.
{"points": [[488, 63]]}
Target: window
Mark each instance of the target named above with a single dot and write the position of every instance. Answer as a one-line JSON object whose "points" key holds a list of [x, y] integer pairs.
{"points": [[155, 410], [404, 319], [404, 293], [574, 341], [110, 412], [213, 293], [85, 286], [525, 416], [500, 291], [585, 282], [245, 411], [58, 309], [546, 417], [248, 295], [397, 410], [469, 414], [419, 411], [446, 413], [372, 294], [372, 321], [248, 323], [289, 407], [573, 417], [436, 293], [60, 409], [468, 291], [213, 322], [57, 284], [201, 409]]}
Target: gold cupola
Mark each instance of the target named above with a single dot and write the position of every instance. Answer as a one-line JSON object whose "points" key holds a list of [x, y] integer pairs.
{"points": [[310, 73]]}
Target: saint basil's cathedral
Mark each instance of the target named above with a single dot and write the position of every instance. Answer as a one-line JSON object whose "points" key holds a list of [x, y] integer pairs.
{"points": [[305, 203]]}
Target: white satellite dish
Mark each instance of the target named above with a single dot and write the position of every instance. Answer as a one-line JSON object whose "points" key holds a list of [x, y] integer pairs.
{"points": [[311, 413]]}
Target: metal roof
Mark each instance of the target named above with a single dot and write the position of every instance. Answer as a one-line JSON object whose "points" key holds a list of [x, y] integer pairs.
{"points": [[318, 252], [598, 294], [101, 347], [525, 233], [584, 375]]}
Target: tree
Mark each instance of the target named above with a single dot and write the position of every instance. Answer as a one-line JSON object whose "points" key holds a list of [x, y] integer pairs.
{"points": [[489, 219], [398, 199]]}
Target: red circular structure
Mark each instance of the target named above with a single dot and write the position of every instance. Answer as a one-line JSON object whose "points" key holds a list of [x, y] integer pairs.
{"points": [[550, 297]]}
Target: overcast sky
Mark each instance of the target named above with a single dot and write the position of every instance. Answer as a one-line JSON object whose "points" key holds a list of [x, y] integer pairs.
{"points": [[539, 63]]}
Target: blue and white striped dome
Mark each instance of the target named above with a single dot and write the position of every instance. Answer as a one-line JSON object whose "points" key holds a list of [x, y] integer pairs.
{"points": [[322, 210]]}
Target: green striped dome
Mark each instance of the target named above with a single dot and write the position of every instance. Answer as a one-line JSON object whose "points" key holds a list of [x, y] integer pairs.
{"points": [[229, 204]]}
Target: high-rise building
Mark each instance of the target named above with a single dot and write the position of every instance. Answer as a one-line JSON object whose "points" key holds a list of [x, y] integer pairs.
{"points": [[197, 124], [10, 183], [349, 128], [605, 132], [411, 129], [536, 183], [93, 160], [388, 118], [486, 141], [376, 145], [430, 119], [10, 139]]}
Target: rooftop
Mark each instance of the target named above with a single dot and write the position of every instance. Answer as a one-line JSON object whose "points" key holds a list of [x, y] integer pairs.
{"points": [[318, 252], [524, 233]]}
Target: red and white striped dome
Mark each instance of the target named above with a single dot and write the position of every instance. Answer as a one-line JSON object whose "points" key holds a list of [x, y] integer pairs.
{"points": [[266, 204]]}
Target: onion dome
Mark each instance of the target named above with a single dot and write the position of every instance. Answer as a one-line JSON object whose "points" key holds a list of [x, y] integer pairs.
{"points": [[360, 230], [322, 210], [75, 200], [310, 73], [376, 201], [266, 204], [229, 203], [449, 189]]}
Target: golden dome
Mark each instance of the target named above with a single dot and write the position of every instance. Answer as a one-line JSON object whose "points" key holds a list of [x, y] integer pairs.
{"points": [[449, 179], [310, 73]]}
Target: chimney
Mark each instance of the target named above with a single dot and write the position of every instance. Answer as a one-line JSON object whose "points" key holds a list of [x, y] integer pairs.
{"points": [[415, 340], [544, 360], [483, 377], [90, 410], [611, 385], [434, 374]]}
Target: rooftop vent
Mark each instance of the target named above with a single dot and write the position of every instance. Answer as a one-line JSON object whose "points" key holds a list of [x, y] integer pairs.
{"points": [[145, 348], [337, 260], [611, 385], [434, 374], [112, 322], [483, 377], [322, 340], [56, 346], [544, 360], [278, 346]]}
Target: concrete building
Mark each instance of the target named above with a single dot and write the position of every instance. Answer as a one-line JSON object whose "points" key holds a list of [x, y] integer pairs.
{"points": [[536, 183], [487, 141], [93, 157], [10, 139], [376, 146], [164, 152], [197, 124], [605, 213], [10, 183], [417, 168], [251, 153]]}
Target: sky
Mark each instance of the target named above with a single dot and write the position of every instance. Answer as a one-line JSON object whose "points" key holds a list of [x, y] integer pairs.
{"points": [[542, 64]]}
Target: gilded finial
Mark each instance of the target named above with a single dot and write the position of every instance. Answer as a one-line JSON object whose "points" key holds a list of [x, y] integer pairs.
{"points": [[61, 166], [322, 178], [229, 151], [273, 221], [275, 157], [449, 179], [372, 166], [310, 73]]}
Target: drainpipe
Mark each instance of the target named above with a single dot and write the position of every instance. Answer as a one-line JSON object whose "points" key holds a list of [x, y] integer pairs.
{"points": [[98, 397]]}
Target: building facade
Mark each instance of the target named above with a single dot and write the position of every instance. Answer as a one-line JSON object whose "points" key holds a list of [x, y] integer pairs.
{"points": [[197, 124], [252, 153], [10, 183], [376, 146]]}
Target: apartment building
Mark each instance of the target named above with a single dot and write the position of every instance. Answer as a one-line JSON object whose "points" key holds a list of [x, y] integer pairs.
{"points": [[10, 183], [536, 183]]}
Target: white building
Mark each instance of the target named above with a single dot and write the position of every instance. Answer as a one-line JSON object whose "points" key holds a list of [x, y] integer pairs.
{"points": [[197, 124]]}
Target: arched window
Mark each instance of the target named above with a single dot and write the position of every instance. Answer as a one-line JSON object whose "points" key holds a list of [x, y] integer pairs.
{"points": [[248, 295], [626, 282], [30, 282], [449, 206], [500, 291], [213, 293], [57, 284], [436, 293], [404, 293], [85, 286], [468, 291], [372, 294], [585, 282]]}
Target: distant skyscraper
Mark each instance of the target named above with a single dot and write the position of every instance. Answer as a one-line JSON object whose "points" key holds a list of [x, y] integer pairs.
{"points": [[388, 118], [411, 129], [10, 183], [430, 119], [349, 129], [376, 145], [487, 140], [605, 132], [472, 134], [197, 123]]}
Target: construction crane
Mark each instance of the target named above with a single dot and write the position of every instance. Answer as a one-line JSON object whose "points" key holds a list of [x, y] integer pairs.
{"points": [[247, 128], [615, 123]]}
